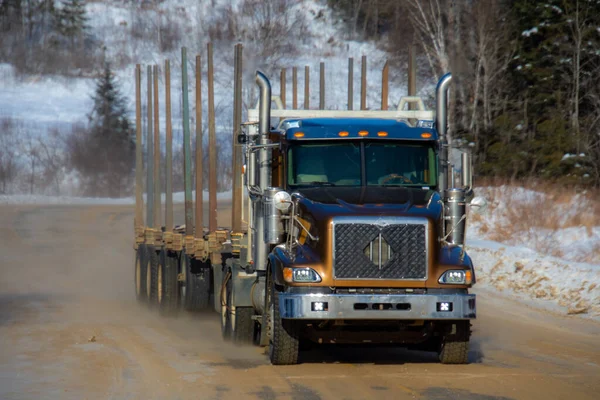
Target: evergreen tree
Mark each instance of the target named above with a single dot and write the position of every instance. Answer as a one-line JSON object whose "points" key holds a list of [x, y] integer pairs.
{"points": [[73, 19], [104, 154], [555, 67]]}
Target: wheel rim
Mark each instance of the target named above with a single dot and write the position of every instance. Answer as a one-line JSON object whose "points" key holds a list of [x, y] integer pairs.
{"points": [[224, 308], [159, 284], [138, 276]]}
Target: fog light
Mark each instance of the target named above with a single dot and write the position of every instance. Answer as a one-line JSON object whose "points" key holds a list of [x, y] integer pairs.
{"points": [[444, 307], [319, 306]]}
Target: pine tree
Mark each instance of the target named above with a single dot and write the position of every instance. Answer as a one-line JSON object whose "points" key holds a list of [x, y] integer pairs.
{"points": [[73, 19], [554, 68], [104, 154]]}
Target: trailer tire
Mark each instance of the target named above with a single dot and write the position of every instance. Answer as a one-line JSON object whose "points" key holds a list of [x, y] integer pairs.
{"points": [[197, 285], [284, 340], [242, 328], [152, 276], [167, 283], [455, 345], [140, 273]]}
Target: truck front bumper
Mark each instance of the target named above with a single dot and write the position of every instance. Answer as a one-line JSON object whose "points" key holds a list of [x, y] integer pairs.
{"points": [[385, 306]]}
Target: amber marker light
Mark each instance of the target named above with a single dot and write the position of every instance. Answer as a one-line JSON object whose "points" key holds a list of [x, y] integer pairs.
{"points": [[363, 133], [299, 134], [382, 134], [425, 135], [343, 133], [468, 277], [288, 275]]}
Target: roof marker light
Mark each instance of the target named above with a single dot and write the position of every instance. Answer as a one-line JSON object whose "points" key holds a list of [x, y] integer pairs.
{"points": [[343, 133], [299, 134], [425, 135], [382, 134], [363, 133]]}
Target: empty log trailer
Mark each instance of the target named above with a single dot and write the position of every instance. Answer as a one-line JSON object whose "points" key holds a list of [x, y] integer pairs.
{"points": [[347, 226]]}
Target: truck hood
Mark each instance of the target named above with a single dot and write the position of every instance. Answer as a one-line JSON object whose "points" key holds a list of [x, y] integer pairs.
{"points": [[324, 202]]}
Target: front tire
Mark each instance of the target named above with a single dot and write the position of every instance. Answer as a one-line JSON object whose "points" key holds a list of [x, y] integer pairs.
{"points": [[455, 344], [284, 338]]}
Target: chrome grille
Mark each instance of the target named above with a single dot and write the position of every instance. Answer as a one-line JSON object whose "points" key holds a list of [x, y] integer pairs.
{"points": [[380, 248]]}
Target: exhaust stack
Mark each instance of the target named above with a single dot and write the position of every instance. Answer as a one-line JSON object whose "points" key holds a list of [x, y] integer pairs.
{"points": [[441, 123], [263, 167]]}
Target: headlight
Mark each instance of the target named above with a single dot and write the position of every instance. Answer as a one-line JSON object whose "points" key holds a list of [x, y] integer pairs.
{"points": [[456, 277], [301, 275], [282, 201]]}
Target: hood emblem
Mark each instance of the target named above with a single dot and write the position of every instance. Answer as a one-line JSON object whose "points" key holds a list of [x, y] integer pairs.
{"points": [[381, 223], [378, 251]]}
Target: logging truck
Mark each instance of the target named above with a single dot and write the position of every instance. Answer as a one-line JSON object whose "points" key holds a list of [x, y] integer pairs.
{"points": [[348, 226]]}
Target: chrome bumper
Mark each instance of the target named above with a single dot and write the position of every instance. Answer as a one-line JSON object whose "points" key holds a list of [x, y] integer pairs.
{"points": [[367, 306]]}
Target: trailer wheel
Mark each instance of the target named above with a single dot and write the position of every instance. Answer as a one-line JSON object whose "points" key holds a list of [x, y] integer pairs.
{"points": [[283, 333], [167, 284], [197, 285], [226, 306], [140, 273], [455, 344], [242, 328], [151, 275]]}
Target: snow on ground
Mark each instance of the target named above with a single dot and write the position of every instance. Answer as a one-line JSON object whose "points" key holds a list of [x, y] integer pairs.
{"points": [[549, 282], [178, 197], [530, 244]]}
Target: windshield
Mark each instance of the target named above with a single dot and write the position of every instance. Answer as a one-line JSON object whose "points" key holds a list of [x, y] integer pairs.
{"points": [[362, 163], [399, 164]]}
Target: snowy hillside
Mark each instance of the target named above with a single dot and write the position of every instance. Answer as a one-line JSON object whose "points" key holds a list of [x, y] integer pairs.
{"points": [[51, 100]]}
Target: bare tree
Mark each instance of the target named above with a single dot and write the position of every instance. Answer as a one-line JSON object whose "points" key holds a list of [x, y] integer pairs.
{"points": [[9, 154]]}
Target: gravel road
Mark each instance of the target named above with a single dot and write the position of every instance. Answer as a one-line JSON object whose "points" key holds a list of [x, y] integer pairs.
{"points": [[71, 329]]}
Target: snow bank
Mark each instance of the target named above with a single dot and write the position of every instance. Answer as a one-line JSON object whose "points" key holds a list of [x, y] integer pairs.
{"points": [[531, 244], [552, 282]]}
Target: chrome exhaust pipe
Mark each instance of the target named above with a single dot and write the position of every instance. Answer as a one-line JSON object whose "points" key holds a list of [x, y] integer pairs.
{"points": [[263, 170], [264, 109], [441, 124]]}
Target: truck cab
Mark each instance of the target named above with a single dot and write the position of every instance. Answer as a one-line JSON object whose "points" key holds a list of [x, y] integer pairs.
{"points": [[354, 235]]}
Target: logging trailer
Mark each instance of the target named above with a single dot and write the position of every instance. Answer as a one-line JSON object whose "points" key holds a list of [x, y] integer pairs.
{"points": [[347, 226]]}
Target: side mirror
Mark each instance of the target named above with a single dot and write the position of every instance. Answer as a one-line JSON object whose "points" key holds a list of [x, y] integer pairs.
{"points": [[242, 139], [478, 205]]}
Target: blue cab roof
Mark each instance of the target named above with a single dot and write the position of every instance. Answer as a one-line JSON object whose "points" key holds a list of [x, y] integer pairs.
{"points": [[330, 128]]}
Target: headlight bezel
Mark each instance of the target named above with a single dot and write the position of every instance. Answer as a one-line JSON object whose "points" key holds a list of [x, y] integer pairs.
{"points": [[456, 277], [301, 275]]}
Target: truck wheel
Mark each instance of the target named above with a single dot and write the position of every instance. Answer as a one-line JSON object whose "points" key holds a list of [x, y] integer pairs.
{"points": [[455, 345], [242, 327], [283, 333], [151, 276], [226, 306], [140, 273], [197, 285], [167, 284]]}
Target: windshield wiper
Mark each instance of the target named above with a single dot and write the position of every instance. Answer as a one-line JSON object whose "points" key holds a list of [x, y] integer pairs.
{"points": [[316, 183]]}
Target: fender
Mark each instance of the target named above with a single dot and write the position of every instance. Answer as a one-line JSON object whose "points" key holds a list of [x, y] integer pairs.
{"points": [[455, 256], [276, 264]]}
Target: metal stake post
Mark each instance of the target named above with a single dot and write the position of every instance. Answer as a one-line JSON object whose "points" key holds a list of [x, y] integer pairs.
{"points": [[212, 146], [187, 159], [139, 163]]}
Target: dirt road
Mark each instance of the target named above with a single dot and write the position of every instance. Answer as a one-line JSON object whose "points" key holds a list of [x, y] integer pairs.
{"points": [[70, 329]]}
